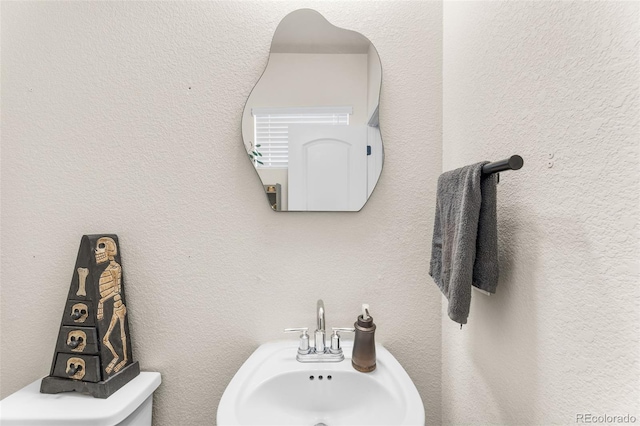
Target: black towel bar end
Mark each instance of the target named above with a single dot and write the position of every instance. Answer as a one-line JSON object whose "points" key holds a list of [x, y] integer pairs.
{"points": [[514, 162]]}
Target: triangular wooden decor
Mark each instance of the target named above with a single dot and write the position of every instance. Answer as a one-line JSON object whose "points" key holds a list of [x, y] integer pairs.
{"points": [[93, 351]]}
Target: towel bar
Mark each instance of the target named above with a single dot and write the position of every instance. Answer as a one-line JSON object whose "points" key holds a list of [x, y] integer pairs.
{"points": [[515, 162]]}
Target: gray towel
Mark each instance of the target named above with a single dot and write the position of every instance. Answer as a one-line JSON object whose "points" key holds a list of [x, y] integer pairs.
{"points": [[465, 237]]}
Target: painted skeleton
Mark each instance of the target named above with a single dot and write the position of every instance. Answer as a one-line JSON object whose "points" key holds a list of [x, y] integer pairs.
{"points": [[110, 288]]}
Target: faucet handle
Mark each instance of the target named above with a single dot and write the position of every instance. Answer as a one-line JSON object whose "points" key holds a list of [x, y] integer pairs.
{"points": [[335, 338], [303, 346], [293, 330]]}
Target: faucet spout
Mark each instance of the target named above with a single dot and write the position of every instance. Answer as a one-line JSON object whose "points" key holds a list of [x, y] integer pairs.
{"points": [[319, 334], [320, 306]]}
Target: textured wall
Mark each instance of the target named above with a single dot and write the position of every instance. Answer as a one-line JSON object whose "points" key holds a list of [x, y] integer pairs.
{"points": [[125, 117], [561, 335]]}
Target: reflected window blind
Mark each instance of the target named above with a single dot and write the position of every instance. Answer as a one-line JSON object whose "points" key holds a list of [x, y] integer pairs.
{"points": [[271, 126]]}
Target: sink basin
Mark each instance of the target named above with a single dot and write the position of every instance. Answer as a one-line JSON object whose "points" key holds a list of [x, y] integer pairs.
{"points": [[272, 388]]}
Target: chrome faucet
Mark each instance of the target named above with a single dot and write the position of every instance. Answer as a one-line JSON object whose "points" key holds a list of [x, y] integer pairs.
{"points": [[320, 352], [319, 335]]}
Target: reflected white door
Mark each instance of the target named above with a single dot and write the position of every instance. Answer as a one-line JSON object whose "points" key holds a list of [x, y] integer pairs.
{"points": [[327, 167]]}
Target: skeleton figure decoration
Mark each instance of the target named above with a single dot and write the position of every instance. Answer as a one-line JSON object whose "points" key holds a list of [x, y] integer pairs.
{"points": [[93, 350], [110, 289]]}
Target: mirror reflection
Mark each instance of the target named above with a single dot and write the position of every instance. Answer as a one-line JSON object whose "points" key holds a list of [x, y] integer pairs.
{"points": [[310, 125]]}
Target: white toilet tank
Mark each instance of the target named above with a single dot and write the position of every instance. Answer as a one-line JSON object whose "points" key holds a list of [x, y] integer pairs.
{"points": [[131, 405]]}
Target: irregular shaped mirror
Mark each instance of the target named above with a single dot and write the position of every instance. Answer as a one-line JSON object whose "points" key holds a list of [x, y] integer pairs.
{"points": [[310, 125]]}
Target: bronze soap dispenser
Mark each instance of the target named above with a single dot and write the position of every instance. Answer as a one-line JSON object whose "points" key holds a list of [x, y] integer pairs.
{"points": [[364, 344]]}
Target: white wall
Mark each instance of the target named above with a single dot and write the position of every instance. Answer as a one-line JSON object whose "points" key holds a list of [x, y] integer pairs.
{"points": [[125, 117], [561, 335]]}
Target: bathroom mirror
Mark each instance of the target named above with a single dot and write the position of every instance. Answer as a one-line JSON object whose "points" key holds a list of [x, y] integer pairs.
{"points": [[310, 125]]}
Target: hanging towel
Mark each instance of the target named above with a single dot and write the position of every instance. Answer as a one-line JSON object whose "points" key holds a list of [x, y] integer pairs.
{"points": [[465, 237]]}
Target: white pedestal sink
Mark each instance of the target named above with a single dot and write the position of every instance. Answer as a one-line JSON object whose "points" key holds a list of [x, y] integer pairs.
{"points": [[272, 388]]}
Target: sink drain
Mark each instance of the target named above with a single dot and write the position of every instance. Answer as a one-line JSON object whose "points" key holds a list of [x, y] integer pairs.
{"points": [[320, 424]]}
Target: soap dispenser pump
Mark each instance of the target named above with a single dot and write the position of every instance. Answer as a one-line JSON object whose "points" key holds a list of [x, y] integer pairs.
{"points": [[364, 346]]}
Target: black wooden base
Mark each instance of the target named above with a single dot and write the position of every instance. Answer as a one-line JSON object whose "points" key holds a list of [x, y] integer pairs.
{"points": [[103, 390]]}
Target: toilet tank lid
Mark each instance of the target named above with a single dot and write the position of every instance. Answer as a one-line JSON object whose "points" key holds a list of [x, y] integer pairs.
{"points": [[30, 407]]}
